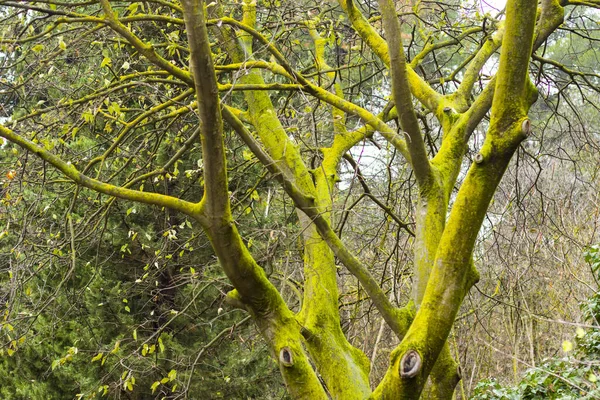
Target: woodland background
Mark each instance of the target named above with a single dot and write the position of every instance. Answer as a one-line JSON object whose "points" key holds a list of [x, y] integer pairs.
{"points": [[104, 297]]}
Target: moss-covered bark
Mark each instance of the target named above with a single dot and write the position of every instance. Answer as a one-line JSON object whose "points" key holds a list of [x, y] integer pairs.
{"points": [[310, 348], [451, 274]]}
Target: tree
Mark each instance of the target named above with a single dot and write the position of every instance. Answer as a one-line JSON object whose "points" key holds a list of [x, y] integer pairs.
{"points": [[570, 377], [241, 52]]}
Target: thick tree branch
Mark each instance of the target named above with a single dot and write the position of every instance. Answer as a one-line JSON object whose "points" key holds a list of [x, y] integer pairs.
{"points": [[402, 95], [451, 275], [386, 131], [419, 88], [71, 172], [397, 319], [274, 319]]}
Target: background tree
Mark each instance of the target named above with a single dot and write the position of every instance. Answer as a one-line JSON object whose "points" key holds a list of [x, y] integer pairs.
{"points": [[124, 104]]}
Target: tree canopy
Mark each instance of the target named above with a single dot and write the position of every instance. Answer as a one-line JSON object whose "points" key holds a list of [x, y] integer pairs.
{"points": [[175, 170]]}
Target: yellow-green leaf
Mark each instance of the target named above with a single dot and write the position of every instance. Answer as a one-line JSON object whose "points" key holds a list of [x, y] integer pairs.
{"points": [[116, 348], [172, 374]]}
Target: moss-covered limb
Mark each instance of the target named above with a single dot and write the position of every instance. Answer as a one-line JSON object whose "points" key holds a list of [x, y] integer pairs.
{"points": [[242, 66], [419, 88], [551, 16], [451, 275], [216, 197], [320, 305], [283, 336], [72, 173], [344, 369], [145, 49], [402, 96], [430, 219], [249, 19], [332, 353], [444, 377], [512, 97], [459, 127], [276, 322], [430, 47], [320, 301], [339, 117], [430, 224], [397, 319], [261, 111], [463, 92]]}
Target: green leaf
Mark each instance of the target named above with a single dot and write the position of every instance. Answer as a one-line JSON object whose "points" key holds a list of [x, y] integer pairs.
{"points": [[133, 8], [172, 374], [247, 155], [106, 62], [116, 348], [154, 386]]}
